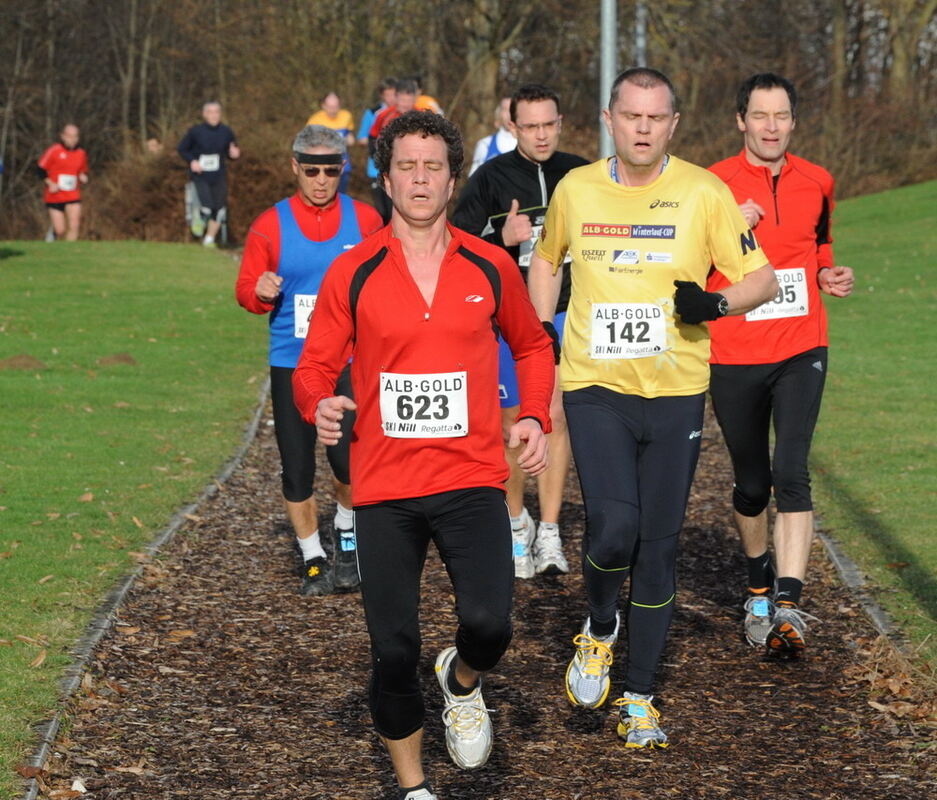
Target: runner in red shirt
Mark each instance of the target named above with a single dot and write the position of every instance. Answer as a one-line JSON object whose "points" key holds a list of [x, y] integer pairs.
{"points": [[419, 306], [405, 101], [288, 249], [63, 168], [771, 362]]}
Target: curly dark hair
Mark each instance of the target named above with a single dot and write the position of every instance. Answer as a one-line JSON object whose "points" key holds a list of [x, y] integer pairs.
{"points": [[424, 123]]}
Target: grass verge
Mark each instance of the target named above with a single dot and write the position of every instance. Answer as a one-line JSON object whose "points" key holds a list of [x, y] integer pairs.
{"points": [[127, 375], [873, 457]]}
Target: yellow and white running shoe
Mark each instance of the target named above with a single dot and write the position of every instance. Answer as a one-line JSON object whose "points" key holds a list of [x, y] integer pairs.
{"points": [[638, 721]]}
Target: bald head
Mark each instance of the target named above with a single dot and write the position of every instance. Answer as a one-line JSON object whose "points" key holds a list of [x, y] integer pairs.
{"points": [[69, 135]]}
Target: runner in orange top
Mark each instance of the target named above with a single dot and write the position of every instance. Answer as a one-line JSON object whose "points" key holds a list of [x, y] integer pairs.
{"points": [[64, 167], [771, 362]]}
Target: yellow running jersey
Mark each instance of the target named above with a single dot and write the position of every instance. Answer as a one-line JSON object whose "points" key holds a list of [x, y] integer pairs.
{"points": [[628, 245]]}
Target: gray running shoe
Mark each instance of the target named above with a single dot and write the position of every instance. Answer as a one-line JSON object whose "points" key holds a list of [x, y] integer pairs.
{"points": [[638, 721], [523, 543], [468, 726], [758, 611], [788, 629], [548, 551], [587, 681]]}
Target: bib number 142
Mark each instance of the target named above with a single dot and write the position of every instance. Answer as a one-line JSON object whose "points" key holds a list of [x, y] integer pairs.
{"points": [[628, 330]]}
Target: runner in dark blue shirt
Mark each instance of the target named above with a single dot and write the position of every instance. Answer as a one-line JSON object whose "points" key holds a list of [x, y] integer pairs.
{"points": [[206, 147]]}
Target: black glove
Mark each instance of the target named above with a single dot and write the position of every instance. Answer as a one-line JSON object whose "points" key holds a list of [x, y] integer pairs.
{"points": [[694, 305], [554, 339]]}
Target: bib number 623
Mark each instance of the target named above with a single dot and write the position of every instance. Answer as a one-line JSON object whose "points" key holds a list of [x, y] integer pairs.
{"points": [[422, 406]]}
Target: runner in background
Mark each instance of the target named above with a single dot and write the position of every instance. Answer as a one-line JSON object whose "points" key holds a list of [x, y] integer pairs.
{"points": [[501, 141], [404, 100], [770, 364], [64, 169], [332, 115], [424, 102], [387, 92], [417, 304], [287, 251], [206, 148], [504, 202]]}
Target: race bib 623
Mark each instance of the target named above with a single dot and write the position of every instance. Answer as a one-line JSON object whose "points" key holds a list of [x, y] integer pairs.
{"points": [[424, 406]]}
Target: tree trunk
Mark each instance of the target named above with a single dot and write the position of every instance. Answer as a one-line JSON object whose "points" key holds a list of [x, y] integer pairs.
{"points": [[11, 100], [142, 107], [908, 22], [478, 92], [50, 70], [838, 56], [219, 54]]}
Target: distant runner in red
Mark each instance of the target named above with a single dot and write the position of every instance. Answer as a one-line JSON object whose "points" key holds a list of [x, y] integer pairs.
{"points": [[404, 101], [64, 168], [419, 306], [770, 364], [288, 250]]}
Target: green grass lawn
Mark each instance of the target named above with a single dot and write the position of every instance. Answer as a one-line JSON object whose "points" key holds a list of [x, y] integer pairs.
{"points": [[874, 463], [127, 376]]}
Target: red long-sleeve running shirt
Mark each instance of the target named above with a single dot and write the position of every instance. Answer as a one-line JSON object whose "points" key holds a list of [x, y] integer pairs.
{"points": [[64, 167], [425, 376], [795, 235]]}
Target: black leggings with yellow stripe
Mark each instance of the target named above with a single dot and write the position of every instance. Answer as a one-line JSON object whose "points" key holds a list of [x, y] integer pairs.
{"points": [[636, 458]]}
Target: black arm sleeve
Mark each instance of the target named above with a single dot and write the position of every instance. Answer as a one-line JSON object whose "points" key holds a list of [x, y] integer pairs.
{"points": [[823, 223], [41, 172], [185, 147], [472, 212]]}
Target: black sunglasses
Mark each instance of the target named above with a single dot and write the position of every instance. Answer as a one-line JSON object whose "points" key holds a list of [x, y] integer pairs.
{"points": [[330, 172]]}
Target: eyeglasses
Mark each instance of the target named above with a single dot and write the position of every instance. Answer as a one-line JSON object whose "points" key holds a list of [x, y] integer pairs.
{"points": [[530, 127], [330, 172]]}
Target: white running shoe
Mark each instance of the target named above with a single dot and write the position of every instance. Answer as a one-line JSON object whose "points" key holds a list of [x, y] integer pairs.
{"points": [[587, 681], [420, 794], [468, 726], [523, 546], [548, 551]]}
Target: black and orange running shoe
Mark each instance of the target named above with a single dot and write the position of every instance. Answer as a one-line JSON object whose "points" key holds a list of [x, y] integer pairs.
{"points": [[788, 629]]}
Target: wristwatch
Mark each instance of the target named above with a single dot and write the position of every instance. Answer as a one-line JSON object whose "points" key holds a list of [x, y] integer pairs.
{"points": [[723, 306]]}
